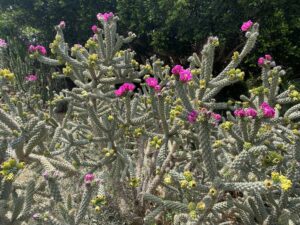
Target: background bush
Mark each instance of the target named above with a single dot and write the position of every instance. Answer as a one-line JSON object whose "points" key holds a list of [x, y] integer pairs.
{"points": [[170, 29]]}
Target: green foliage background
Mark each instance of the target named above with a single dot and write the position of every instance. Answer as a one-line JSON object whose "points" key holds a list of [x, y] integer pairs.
{"points": [[172, 29]]}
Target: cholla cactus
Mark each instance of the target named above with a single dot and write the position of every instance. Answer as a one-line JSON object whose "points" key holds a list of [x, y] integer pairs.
{"points": [[148, 149]]}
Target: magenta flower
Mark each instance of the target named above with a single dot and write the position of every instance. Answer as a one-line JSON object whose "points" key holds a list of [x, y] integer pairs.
{"points": [[31, 77], [151, 82], [105, 16], [192, 116], [3, 43], [120, 91], [185, 76], [31, 48], [41, 49], [268, 111], [129, 86], [62, 24], [124, 89], [157, 88], [264, 105], [177, 69], [88, 178], [95, 38], [268, 57], [240, 112], [250, 112], [261, 61], [45, 175], [36, 216], [246, 25], [216, 116], [95, 29]]}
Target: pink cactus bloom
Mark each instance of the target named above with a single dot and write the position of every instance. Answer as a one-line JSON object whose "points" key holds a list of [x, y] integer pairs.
{"points": [[31, 77], [88, 178], [36, 216], [41, 49], [95, 37], [62, 24], [268, 111], [246, 25], [185, 76], [151, 82], [45, 175], [240, 112], [192, 116], [95, 29], [157, 88], [216, 116], [177, 69], [250, 112], [3, 43], [268, 57], [124, 88], [261, 61], [120, 91], [31, 48], [129, 86], [105, 16]]}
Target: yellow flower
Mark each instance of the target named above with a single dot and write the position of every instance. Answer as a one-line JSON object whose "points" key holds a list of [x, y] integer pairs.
{"points": [[235, 56], [202, 84], [286, 185], [7, 74], [268, 183], [275, 176], [217, 144], [201, 205], [188, 175], [193, 214], [192, 184], [227, 125], [134, 182], [192, 206], [247, 145], [168, 179], [9, 177], [84, 94], [212, 192], [183, 183]]}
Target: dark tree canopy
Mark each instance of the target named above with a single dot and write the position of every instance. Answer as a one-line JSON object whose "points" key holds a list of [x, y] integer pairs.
{"points": [[168, 28]]}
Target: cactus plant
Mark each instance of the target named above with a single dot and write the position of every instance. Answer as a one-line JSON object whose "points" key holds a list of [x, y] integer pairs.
{"points": [[147, 142]]}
